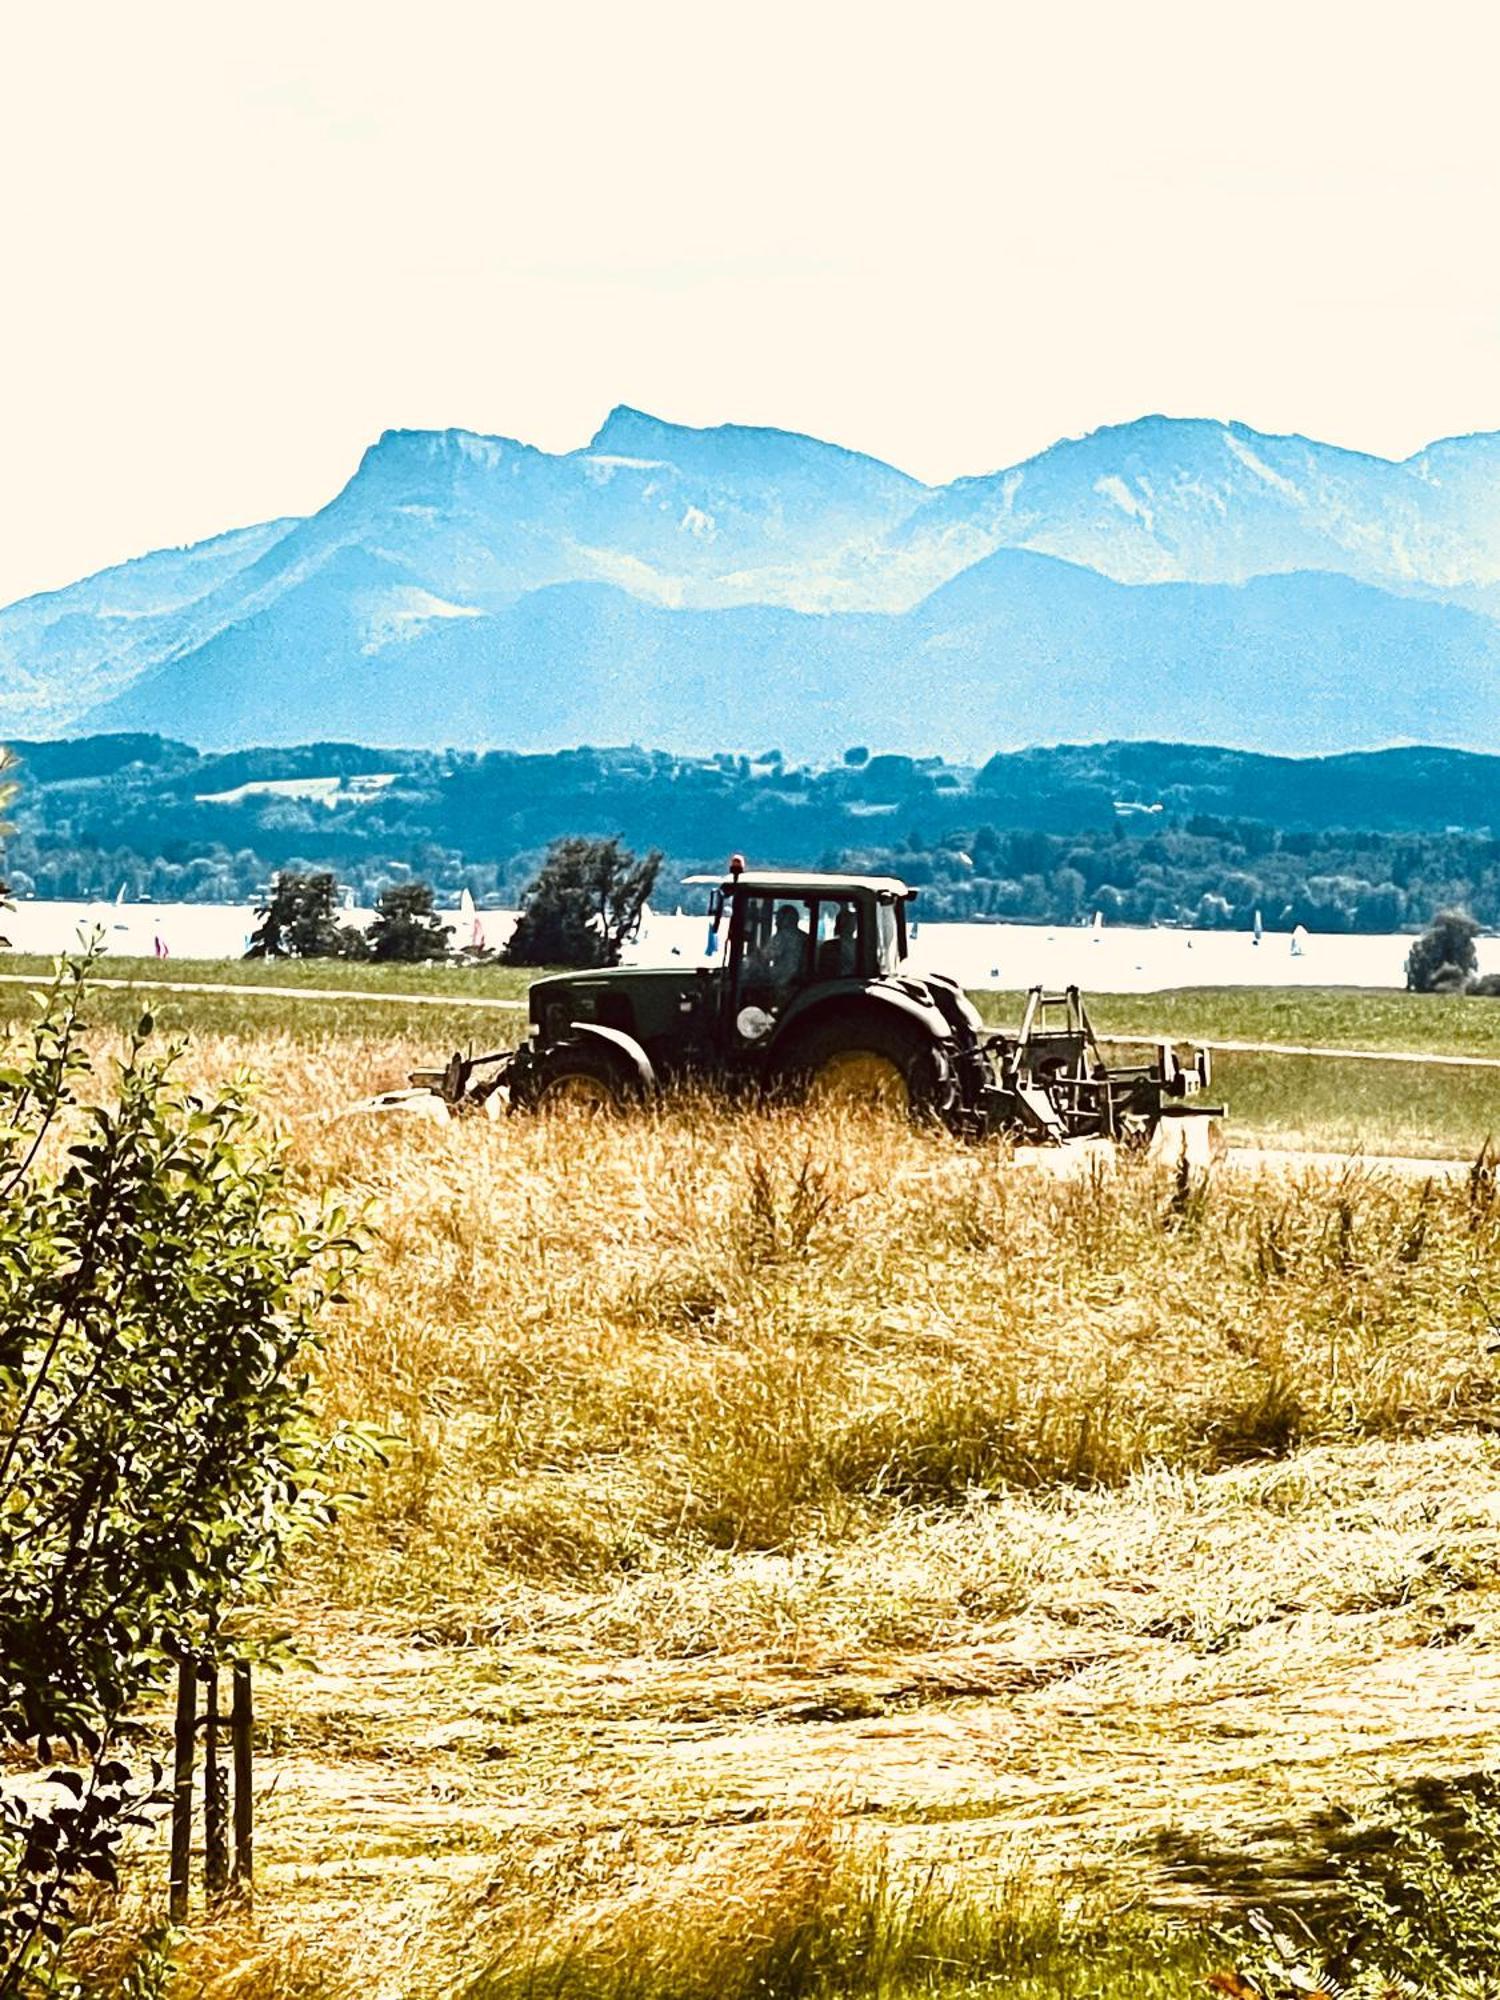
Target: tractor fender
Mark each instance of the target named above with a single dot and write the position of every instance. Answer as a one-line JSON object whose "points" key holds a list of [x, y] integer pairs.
{"points": [[854, 997], [625, 1046]]}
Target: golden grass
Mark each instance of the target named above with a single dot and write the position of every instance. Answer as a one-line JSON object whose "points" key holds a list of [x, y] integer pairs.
{"points": [[809, 1913], [1126, 1521], [606, 1349]]}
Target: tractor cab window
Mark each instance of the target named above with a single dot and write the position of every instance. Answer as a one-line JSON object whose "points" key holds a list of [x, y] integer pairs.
{"points": [[838, 954], [890, 937], [777, 948]]}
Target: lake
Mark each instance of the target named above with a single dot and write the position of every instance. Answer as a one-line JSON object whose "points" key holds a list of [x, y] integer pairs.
{"points": [[1115, 960]]}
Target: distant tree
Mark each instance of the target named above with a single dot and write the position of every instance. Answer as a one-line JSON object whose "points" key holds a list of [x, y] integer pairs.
{"points": [[855, 755], [1443, 959], [584, 904], [1067, 887], [298, 921], [1487, 986], [406, 928]]}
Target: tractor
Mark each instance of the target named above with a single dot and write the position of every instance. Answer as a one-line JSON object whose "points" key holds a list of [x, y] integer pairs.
{"points": [[806, 992]]}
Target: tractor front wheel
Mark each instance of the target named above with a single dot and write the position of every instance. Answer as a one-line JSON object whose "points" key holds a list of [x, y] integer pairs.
{"points": [[582, 1080]]}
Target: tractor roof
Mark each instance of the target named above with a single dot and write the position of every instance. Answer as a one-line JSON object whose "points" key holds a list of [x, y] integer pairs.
{"points": [[788, 882]]}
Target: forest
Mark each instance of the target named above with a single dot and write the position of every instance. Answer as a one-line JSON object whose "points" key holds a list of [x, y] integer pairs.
{"points": [[1144, 832]]}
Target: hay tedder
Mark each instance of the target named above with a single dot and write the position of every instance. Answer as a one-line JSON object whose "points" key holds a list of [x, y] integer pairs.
{"points": [[807, 992]]}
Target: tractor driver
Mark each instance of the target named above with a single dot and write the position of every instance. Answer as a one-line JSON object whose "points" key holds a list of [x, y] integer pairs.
{"points": [[838, 956], [785, 956]]}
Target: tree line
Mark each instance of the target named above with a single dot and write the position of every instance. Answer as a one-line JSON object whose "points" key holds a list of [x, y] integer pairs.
{"points": [[586, 900], [1145, 833]]}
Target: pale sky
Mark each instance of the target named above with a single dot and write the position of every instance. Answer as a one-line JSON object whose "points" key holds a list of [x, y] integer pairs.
{"points": [[241, 240]]}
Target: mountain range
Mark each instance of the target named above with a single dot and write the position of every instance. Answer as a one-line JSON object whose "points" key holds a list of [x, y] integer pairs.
{"points": [[1168, 578]]}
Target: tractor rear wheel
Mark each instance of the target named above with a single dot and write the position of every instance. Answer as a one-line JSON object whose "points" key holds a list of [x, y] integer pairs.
{"points": [[867, 1064], [582, 1080]]}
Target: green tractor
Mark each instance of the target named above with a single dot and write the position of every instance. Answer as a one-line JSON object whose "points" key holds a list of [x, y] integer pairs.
{"points": [[807, 993]]}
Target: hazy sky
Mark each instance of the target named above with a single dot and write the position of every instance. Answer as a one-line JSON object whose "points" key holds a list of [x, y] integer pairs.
{"points": [[240, 240]]}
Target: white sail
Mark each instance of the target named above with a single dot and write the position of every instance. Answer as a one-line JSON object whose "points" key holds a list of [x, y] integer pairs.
{"points": [[466, 907], [1299, 939], [1098, 925], [1258, 927]]}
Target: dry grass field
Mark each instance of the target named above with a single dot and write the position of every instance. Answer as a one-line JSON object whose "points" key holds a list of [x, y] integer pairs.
{"points": [[1338, 1105], [816, 1557]]}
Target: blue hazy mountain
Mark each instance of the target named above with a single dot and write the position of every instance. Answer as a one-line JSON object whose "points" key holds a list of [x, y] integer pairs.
{"points": [[1019, 649], [66, 649], [690, 587]]}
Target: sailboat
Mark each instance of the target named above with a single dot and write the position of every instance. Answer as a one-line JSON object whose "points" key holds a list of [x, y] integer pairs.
{"points": [[1258, 928], [467, 914], [1096, 929], [1299, 939]]}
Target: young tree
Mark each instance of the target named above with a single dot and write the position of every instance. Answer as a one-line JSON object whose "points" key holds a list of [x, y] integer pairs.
{"points": [[298, 921], [159, 1306], [406, 927], [1443, 959], [583, 906]]}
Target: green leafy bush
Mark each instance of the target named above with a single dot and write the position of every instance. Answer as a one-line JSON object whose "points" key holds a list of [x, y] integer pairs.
{"points": [[1412, 1906], [159, 1305]]}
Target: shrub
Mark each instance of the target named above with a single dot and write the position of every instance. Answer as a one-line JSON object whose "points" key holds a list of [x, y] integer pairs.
{"points": [[1412, 1905], [1443, 958], [159, 1300]]}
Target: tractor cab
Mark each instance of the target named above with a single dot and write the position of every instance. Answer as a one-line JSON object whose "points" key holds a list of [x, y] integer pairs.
{"points": [[781, 938]]}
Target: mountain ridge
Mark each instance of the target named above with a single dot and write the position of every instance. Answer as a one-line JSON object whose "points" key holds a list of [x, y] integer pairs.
{"points": [[436, 562]]}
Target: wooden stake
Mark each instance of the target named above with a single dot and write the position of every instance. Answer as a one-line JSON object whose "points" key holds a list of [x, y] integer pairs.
{"points": [[182, 1791], [241, 1730], [215, 1803]]}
